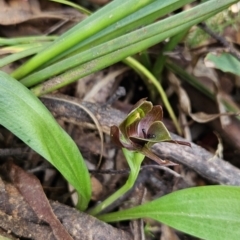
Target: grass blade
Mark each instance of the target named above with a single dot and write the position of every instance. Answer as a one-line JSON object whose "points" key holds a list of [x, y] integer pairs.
{"points": [[115, 50], [106, 16], [168, 27]]}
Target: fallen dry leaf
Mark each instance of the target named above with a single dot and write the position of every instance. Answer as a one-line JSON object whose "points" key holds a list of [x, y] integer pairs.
{"points": [[31, 189], [21, 11], [185, 104]]}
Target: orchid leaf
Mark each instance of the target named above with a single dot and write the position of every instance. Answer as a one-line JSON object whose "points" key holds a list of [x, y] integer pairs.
{"points": [[209, 212], [24, 115]]}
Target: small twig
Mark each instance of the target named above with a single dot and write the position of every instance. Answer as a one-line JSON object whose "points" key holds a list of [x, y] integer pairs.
{"points": [[169, 170], [196, 158], [126, 171], [44, 166], [120, 92], [110, 171], [221, 39], [10, 152]]}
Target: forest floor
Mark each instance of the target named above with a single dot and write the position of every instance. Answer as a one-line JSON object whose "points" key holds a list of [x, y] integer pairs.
{"points": [[213, 134]]}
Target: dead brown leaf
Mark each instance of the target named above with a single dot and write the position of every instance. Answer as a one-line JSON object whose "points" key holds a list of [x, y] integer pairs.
{"points": [[185, 103], [18, 11], [31, 189]]}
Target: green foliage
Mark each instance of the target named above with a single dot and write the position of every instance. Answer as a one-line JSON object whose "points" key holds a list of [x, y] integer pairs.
{"points": [[223, 61], [111, 13], [26, 117], [100, 55], [107, 37], [142, 128], [217, 23], [134, 160], [81, 9], [118, 30], [211, 213]]}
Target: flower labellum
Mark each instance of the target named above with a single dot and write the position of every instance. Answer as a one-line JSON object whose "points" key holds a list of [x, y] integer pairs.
{"points": [[142, 128]]}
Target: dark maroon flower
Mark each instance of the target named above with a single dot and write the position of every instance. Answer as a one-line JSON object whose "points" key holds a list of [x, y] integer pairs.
{"points": [[142, 128]]}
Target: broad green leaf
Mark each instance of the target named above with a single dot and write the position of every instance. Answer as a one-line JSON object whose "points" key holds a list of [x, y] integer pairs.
{"points": [[224, 61], [25, 116], [211, 212]]}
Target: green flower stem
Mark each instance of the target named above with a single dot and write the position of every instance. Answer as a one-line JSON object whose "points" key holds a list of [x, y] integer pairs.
{"points": [[143, 71], [134, 160]]}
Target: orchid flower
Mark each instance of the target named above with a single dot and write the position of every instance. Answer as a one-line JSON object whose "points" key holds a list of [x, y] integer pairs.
{"points": [[141, 129]]}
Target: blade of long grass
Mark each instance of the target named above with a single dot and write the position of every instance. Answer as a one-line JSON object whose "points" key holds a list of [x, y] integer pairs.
{"points": [[143, 38], [142, 17], [110, 14], [19, 48], [161, 59], [76, 6], [19, 55], [25, 40], [104, 61]]}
